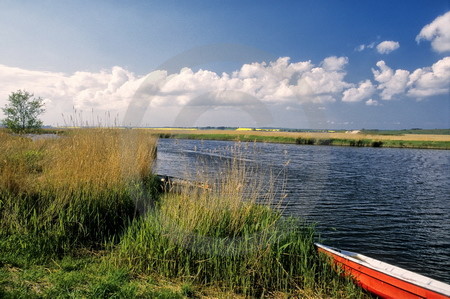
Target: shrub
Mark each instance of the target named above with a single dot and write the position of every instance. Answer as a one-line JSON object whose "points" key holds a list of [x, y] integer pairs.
{"points": [[22, 112]]}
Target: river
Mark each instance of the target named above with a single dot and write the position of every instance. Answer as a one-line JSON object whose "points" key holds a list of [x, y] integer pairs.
{"points": [[390, 204]]}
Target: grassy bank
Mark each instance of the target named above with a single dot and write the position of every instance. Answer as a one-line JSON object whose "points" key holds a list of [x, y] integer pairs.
{"points": [[425, 141], [85, 275], [228, 239], [79, 190], [80, 216]]}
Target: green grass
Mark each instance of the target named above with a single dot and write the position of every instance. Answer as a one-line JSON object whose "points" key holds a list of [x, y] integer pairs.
{"points": [[77, 191], [80, 218], [85, 276], [227, 238], [417, 144]]}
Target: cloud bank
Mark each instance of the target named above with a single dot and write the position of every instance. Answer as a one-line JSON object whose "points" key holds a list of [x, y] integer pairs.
{"points": [[276, 82], [282, 83]]}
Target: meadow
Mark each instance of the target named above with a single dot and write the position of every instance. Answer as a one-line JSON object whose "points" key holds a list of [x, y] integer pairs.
{"points": [[83, 216], [396, 139]]}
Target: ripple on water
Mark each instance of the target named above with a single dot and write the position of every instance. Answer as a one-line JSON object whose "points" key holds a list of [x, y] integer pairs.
{"points": [[391, 204]]}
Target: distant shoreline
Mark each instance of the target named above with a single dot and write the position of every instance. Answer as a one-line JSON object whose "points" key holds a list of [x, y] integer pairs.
{"points": [[372, 138], [418, 141]]}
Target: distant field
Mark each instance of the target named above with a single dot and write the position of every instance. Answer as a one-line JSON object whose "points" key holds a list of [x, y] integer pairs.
{"points": [[411, 131], [419, 140]]}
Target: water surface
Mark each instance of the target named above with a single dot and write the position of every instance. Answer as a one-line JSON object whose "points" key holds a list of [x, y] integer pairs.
{"points": [[390, 204]]}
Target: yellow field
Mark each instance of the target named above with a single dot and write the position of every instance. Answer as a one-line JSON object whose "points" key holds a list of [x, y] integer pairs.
{"points": [[357, 136]]}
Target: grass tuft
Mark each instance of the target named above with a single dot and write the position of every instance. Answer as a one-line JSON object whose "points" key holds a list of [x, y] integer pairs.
{"points": [[228, 238]]}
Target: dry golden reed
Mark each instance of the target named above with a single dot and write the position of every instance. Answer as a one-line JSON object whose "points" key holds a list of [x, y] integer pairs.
{"points": [[80, 188], [101, 158]]}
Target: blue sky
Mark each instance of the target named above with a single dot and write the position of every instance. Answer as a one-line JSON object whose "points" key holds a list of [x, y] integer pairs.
{"points": [[298, 64]]}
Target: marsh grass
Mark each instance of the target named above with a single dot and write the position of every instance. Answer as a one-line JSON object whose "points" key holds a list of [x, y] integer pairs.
{"points": [[78, 190], [230, 236], [93, 191]]}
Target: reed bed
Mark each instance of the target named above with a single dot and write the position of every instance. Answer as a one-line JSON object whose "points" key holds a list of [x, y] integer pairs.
{"points": [[229, 236], [92, 193], [78, 190]]}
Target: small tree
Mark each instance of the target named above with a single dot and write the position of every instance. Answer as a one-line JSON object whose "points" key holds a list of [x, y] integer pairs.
{"points": [[22, 112]]}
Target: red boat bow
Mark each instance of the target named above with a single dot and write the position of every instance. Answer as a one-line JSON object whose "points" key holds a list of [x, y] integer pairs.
{"points": [[383, 279]]}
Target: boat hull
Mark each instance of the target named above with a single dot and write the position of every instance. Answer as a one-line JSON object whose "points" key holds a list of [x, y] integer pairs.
{"points": [[383, 279]]}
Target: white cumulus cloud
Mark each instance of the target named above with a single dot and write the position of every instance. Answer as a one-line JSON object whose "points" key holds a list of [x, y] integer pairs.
{"points": [[438, 32], [107, 90], [430, 81], [276, 82], [419, 84], [334, 63], [280, 82], [356, 94], [387, 46], [390, 83]]}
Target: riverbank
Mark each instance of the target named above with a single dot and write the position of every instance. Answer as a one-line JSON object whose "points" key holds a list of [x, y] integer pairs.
{"points": [[423, 141], [82, 216]]}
